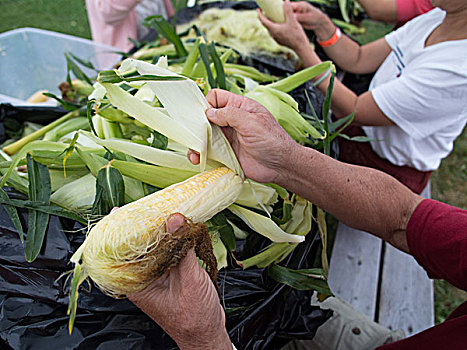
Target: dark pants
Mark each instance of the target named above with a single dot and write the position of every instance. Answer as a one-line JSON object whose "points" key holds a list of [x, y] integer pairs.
{"points": [[361, 153]]}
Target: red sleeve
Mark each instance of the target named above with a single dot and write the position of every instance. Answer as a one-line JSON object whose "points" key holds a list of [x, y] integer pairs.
{"points": [[408, 9], [437, 238]]}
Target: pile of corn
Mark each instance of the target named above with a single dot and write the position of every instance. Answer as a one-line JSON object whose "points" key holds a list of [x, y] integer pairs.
{"points": [[126, 147]]}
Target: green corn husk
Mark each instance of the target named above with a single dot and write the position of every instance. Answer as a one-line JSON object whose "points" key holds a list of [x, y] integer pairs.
{"points": [[300, 223], [16, 146], [58, 178], [157, 176], [285, 110], [301, 77], [77, 195], [134, 189], [219, 250], [191, 59], [249, 72], [66, 128]]}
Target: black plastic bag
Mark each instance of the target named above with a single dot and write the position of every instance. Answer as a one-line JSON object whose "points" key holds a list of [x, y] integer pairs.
{"points": [[33, 300], [12, 117]]}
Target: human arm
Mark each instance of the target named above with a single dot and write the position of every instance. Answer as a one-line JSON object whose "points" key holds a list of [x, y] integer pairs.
{"points": [[346, 53], [363, 198], [381, 10], [395, 10], [185, 304], [360, 197]]}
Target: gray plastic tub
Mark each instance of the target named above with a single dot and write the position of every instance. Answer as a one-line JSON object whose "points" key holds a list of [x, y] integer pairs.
{"points": [[34, 59]]}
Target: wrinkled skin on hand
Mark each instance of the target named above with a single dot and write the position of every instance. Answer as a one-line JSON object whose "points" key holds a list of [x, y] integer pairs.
{"points": [[257, 139], [184, 302]]}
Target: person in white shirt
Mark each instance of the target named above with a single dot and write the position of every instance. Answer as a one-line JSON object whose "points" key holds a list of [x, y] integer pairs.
{"points": [[416, 105]]}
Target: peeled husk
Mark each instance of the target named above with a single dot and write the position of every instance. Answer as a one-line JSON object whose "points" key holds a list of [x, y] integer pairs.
{"points": [[129, 277]]}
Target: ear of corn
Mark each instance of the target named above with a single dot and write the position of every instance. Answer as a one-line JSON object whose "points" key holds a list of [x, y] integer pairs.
{"points": [[122, 252], [115, 255], [285, 109], [147, 153], [186, 107], [273, 9], [264, 225]]}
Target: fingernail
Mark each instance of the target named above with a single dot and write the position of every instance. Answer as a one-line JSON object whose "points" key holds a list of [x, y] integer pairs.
{"points": [[211, 112], [175, 219], [191, 156]]}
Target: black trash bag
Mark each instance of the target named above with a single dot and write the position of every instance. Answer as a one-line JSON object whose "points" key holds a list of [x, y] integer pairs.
{"points": [[13, 117], [34, 299]]}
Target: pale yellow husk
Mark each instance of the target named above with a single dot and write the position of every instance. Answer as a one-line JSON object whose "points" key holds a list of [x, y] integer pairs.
{"points": [[117, 252]]}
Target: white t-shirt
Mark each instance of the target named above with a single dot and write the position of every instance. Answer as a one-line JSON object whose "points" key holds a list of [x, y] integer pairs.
{"points": [[423, 90]]}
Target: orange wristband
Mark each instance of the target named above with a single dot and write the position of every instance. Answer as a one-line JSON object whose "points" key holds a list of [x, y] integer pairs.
{"points": [[335, 37]]}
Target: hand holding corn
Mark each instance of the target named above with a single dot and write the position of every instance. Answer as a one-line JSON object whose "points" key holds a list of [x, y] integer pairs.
{"points": [[184, 302], [309, 16], [290, 33], [260, 143]]}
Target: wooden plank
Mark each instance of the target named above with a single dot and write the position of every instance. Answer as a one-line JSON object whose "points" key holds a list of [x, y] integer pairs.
{"points": [[406, 298], [426, 193], [354, 268]]}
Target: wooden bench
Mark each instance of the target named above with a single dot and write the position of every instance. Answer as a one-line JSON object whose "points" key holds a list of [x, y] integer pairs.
{"points": [[383, 283]]}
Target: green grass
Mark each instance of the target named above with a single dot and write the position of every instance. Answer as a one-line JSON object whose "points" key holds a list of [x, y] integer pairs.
{"points": [[64, 16], [449, 183], [447, 298]]}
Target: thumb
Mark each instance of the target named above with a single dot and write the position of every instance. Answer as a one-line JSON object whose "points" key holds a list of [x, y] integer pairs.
{"points": [[174, 222], [227, 116], [301, 17], [264, 20], [288, 11]]}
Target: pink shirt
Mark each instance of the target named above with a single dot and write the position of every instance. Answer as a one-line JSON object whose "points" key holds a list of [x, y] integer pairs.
{"points": [[408, 9], [112, 22]]}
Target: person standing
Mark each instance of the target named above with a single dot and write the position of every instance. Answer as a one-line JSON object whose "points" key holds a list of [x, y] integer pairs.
{"points": [[112, 22]]}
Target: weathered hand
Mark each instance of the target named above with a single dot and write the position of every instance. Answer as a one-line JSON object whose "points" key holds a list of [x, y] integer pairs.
{"points": [[256, 137], [184, 303], [290, 33]]}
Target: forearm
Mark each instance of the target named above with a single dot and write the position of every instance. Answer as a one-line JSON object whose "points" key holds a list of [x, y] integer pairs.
{"points": [[221, 342], [346, 53], [363, 198], [344, 101]]}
